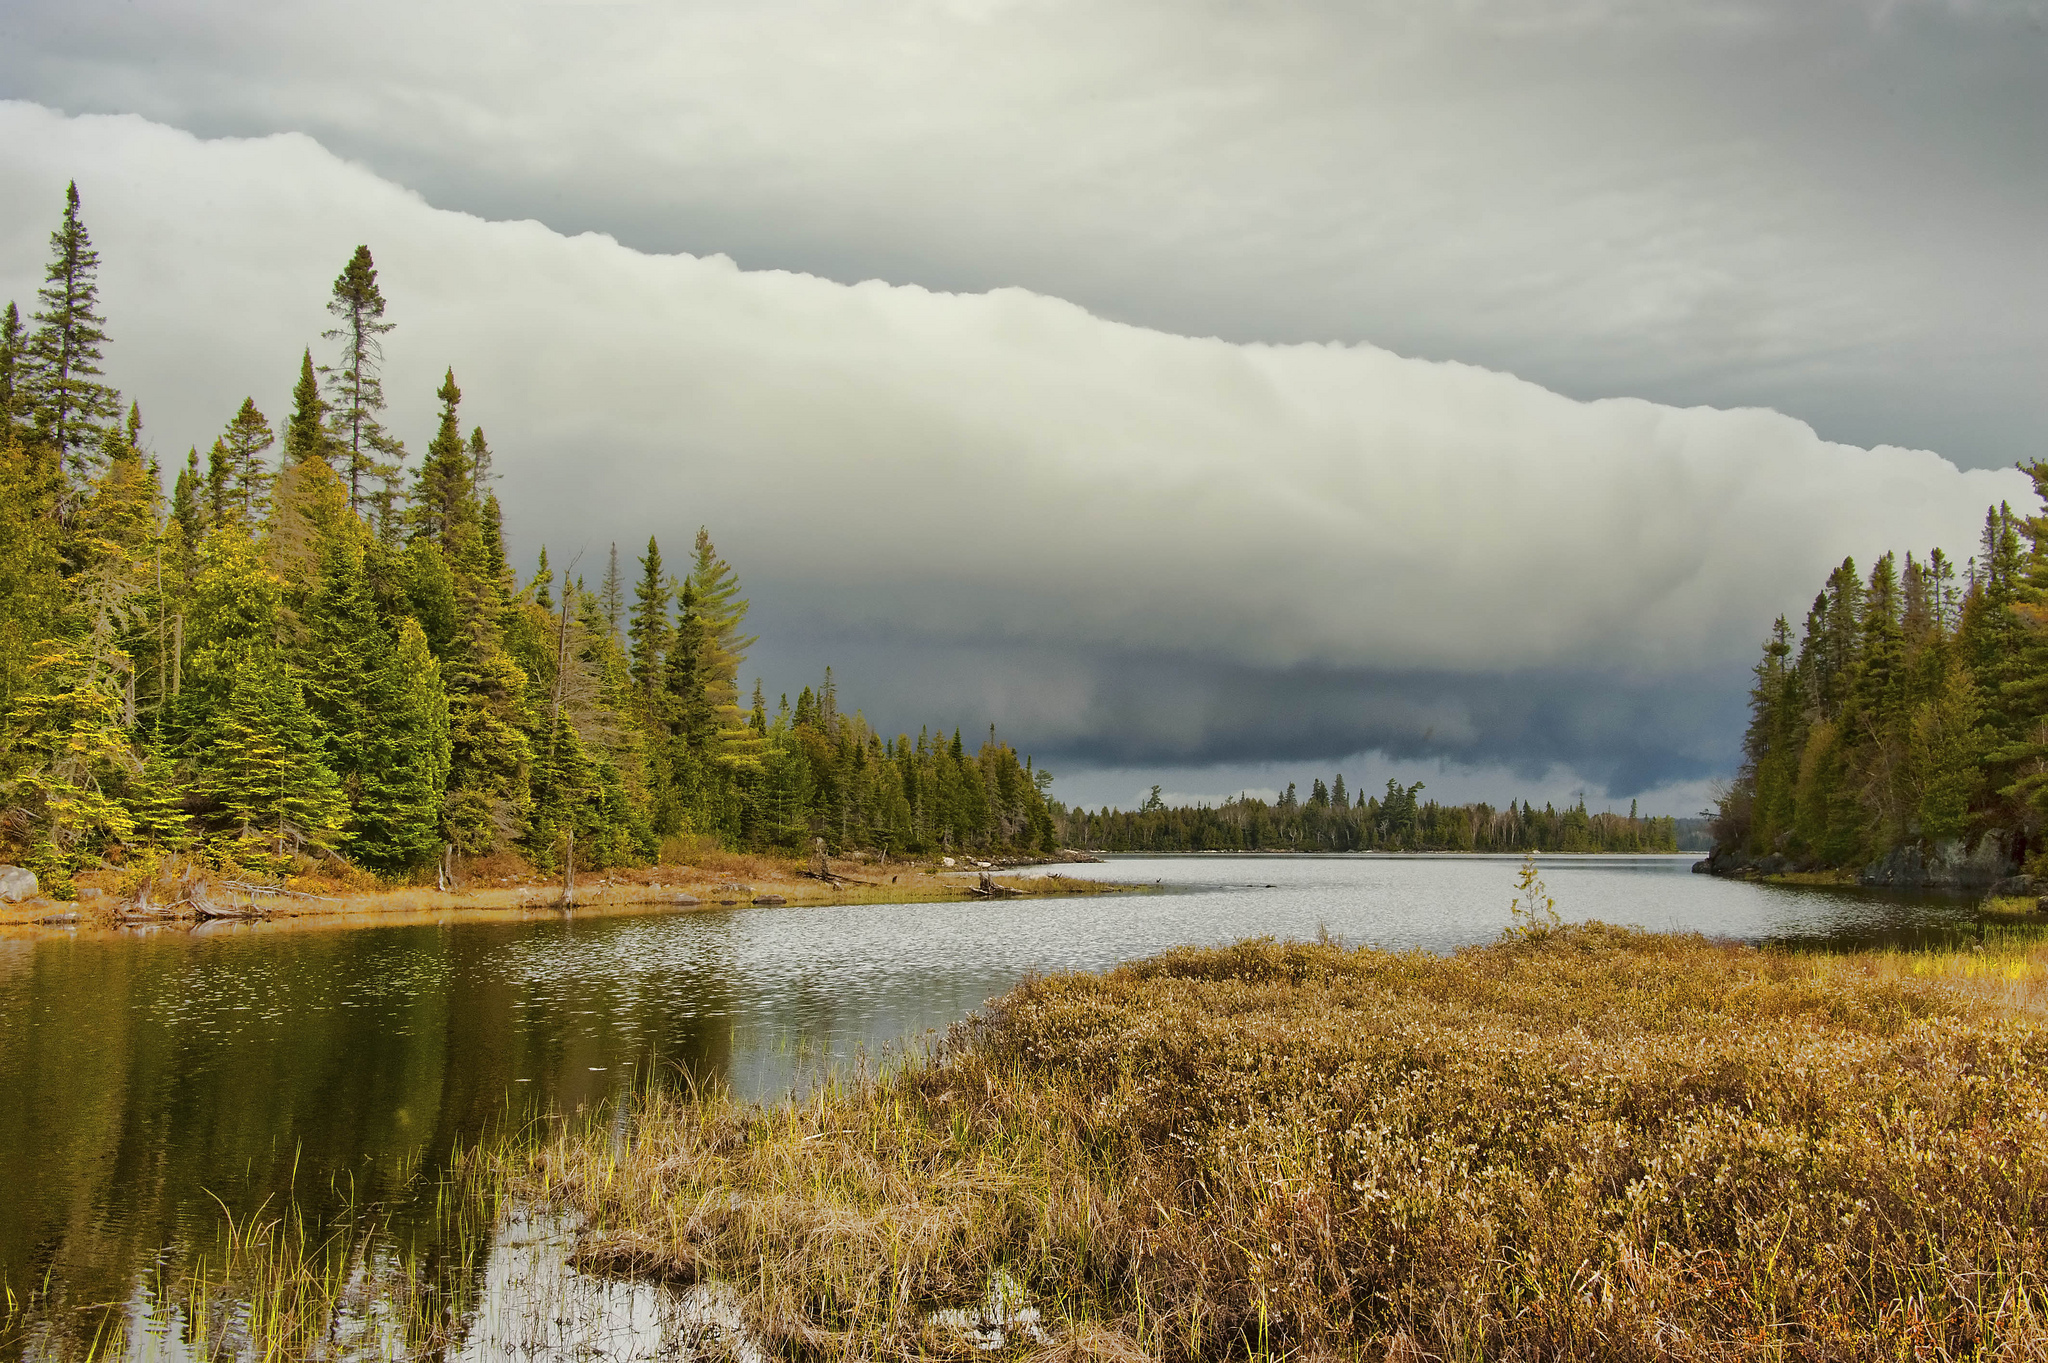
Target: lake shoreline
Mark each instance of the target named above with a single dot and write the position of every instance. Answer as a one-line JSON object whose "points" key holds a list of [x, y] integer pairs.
{"points": [[724, 881], [1391, 1154]]}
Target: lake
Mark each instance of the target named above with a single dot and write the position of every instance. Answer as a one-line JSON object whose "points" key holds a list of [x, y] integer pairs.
{"points": [[153, 1079]]}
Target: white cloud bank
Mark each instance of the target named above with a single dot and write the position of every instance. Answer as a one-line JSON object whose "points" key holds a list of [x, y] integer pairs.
{"points": [[1112, 541]]}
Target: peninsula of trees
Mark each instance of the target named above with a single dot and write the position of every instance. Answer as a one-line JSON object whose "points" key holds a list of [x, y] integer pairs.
{"points": [[1330, 820], [1905, 733], [314, 649]]}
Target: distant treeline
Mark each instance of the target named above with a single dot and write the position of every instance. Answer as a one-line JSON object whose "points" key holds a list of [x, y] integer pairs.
{"points": [[313, 647], [1911, 711], [1329, 820]]}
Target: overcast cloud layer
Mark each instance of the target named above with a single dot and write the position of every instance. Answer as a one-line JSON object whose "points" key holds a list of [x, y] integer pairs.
{"points": [[1831, 208], [1125, 548]]}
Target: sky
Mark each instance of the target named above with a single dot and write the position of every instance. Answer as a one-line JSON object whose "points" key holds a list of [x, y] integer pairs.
{"points": [[1207, 395]]}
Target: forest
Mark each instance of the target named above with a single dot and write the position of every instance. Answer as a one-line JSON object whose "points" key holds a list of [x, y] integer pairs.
{"points": [[312, 652], [1330, 820], [1911, 712]]}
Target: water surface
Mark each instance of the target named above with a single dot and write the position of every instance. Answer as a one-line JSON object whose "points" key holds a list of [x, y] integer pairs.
{"points": [[149, 1081]]}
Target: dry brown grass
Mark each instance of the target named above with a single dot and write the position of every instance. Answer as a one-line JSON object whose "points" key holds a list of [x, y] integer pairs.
{"points": [[1577, 1143]]}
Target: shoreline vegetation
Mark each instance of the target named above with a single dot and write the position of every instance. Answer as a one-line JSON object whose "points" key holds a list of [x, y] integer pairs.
{"points": [[1331, 819], [1902, 740], [310, 659], [714, 879], [1580, 1141]]}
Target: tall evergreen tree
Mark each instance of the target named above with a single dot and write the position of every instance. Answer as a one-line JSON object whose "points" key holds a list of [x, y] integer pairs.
{"points": [[367, 451], [649, 631], [13, 359], [244, 477], [305, 434], [480, 474], [612, 594], [70, 406], [384, 707], [443, 494]]}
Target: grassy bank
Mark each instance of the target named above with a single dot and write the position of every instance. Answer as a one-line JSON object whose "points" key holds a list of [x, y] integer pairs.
{"points": [[1580, 1142], [503, 885]]}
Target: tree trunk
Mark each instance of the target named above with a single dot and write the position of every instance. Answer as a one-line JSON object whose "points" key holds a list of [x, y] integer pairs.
{"points": [[569, 872]]}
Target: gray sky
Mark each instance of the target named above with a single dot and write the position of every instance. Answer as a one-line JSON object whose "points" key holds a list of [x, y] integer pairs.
{"points": [[1137, 554]]}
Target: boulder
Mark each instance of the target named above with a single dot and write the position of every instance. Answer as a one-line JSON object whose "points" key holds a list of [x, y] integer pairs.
{"points": [[16, 884]]}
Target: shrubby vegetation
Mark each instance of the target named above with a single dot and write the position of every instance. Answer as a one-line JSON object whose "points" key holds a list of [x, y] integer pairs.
{"points": [[1912, 710], [1580, 1142], [314, 649], [1329, 820]]}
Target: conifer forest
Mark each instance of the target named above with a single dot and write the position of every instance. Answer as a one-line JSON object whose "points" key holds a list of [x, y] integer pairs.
{"points": [[1331, 819], [1909, 715], [306, 645]]}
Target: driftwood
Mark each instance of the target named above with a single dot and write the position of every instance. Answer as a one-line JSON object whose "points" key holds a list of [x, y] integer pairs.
{"points": [[987, 888]]}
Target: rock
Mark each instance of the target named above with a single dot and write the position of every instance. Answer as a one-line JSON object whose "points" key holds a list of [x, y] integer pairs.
{"points": [[945, 861], [1703, 867], [2012, 887], [16, 884], [686, 900], [56, 918], [1949, 865], [769, 899]]}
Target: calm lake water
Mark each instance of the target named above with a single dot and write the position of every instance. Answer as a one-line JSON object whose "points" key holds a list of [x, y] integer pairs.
{"points": [[142, 1078]]}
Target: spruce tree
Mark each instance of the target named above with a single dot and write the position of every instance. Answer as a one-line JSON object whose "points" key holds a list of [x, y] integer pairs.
{"points": [[189, 504], [241, 475], [265, 765], [443, 493], [715, 587], [611, 595], [70, 407], [480, 474], [305, 434], [649, 631], [366, 450], [381, 701], [13, 358]]}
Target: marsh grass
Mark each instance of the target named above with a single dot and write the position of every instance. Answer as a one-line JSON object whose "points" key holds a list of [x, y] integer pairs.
{"points": [[268, 1284], [1581, 1142]]}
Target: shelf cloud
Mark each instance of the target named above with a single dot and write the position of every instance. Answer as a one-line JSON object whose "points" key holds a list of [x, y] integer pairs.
{"points": [[1121, 546]]}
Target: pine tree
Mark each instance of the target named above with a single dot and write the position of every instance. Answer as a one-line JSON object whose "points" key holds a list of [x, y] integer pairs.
{"points": [[305, 434], [366, 450], [69, 405]]}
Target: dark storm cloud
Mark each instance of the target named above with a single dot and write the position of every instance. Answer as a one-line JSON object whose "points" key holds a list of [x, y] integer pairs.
{"points": [[1122, 546]]}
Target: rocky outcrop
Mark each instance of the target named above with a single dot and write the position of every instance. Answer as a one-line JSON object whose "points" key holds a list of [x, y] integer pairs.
{"points": [[1727, 861], [1951, 866], [1946, 865], [16, 884]]}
